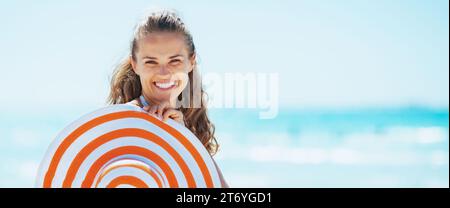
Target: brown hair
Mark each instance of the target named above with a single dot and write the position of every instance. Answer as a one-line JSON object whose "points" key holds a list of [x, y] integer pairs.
{"points": [[126, 85]]}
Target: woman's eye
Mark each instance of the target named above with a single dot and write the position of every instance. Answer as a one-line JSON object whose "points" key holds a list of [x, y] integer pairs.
{"points": [[150, 62], [174, 62]]}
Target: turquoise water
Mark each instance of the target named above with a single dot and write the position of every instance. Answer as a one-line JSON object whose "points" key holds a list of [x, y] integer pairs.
{"points": [[397, 147], [391, 147]]}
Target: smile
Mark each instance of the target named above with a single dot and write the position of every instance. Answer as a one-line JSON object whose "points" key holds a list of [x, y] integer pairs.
{"points": [[166, 85]]}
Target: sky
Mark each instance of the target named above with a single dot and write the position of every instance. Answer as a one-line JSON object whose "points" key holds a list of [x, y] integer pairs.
{"points": [[331, 54]]}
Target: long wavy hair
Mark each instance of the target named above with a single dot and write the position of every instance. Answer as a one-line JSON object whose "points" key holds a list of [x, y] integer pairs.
{"points": [[126, 85]]}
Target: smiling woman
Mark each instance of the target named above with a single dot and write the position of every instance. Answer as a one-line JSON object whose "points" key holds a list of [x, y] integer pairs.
{"points": [[162, 62], [161, 65]]}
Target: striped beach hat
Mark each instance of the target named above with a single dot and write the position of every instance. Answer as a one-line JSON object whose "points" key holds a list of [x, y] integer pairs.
{"points": [[123, 146]]}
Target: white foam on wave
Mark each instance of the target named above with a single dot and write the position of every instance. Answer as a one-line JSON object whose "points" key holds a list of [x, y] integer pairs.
{"points": [[396, 145]]}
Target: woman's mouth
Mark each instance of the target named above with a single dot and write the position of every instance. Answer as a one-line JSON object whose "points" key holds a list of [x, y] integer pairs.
{"points": [[166, 85]]}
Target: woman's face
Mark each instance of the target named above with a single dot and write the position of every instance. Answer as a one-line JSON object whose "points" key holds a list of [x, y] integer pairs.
{"points": [[163, 63]]}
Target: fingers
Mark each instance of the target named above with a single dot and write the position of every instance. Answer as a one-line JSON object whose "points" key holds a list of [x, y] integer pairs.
{"points": [[163, 111], [173, 114], [152, 110]]}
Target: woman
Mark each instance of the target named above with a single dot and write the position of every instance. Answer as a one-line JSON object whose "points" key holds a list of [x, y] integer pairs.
{"points": [[161, 65]]}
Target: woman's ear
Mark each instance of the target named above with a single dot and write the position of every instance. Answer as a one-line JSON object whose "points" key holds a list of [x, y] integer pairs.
{"points": [[133, 64], [192, 62]]}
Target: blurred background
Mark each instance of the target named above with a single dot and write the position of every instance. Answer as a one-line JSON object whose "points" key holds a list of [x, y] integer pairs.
{"points": [[363, 85]]}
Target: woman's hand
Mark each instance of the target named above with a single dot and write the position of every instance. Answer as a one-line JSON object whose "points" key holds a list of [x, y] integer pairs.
{"points": [[164, 112]]}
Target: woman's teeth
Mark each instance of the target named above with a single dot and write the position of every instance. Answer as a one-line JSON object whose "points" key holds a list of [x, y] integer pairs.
{"points": [[165, 85]]}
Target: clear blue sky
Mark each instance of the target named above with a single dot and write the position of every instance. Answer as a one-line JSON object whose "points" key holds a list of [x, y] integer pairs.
{"points": [[328, 53]]}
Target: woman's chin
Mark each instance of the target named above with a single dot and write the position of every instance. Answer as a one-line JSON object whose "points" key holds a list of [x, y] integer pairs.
{"points": [[163, 98]]}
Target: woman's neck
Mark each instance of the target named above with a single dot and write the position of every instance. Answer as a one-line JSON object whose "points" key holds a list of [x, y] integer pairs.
{"points": [[151, 102]]}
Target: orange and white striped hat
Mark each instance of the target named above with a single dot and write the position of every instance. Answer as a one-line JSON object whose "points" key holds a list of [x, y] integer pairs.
{"points": [[123, 146]]}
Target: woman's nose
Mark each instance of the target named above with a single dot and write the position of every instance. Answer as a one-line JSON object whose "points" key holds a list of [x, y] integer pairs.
{"points": [[164, 70]]}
